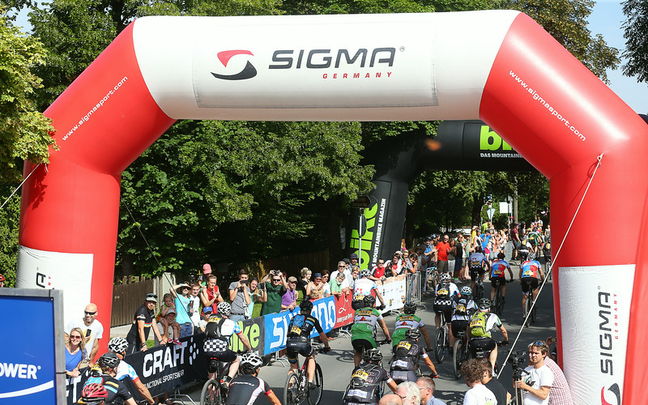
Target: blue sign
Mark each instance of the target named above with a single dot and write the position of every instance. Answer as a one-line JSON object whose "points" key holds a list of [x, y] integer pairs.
{"points": [[32, 349]]}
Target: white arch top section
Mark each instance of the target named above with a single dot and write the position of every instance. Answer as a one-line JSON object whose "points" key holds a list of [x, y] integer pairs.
{"points": [[343, 67]]}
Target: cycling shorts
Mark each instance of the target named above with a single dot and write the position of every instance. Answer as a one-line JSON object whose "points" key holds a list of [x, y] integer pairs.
{"points": [[444, 306], [361, 344], [476, 271], [528, 281], [226, 356], [485, 345], [495, 281], [459, 327], [296, 346], [400, 376]]}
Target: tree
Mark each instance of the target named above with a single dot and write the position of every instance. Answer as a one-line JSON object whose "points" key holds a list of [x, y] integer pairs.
{"points": [[24, 132], [636, 50]]}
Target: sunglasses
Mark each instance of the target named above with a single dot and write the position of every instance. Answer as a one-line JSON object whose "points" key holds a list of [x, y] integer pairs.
{"points": [[90, 313], [75, 337]]}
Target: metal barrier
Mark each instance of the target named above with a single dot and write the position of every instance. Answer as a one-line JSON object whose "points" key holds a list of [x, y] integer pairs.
{"points": [[413, 287]]}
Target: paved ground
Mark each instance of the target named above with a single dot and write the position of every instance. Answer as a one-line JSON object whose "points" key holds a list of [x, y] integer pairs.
{"points": [[338, 364]]}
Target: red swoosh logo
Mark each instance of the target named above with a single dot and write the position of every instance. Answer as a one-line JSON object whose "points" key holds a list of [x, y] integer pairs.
{"points": [[225, 56]]}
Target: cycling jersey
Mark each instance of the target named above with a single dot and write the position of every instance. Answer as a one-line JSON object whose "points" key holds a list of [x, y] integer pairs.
{"points": [[405, 361], [245, 389], [476, 261], [364, 323], [218, 332], [302, 325], [405, 322], [126, 370], [530, 268], [463, 309], [365, 380], [117, 391], [499, 267], [363, 287]]}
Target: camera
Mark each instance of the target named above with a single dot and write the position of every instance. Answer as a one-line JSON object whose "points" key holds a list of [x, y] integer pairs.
{"points": [[244, 282], [517, 360]]}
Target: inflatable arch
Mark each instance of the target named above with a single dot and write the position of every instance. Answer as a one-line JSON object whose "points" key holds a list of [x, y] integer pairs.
{"points": [[498, 66]]}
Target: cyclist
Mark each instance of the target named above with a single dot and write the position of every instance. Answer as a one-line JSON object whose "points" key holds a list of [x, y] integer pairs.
{"points": [[298, 342], [218, 331], [245, 388], [363, 330], [103, 373], [93, 394], [463, 309], [498, 277], [366, 379], [476, 263], [479, 331], [119, 345], [408, 320], [406, 358], [364, 287], [529, 271], [444, 293]]}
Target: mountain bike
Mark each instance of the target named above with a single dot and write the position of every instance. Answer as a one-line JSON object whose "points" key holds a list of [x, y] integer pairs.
{"points": [[498, 299], [529, 307], [441, 339], [460, 353], [213, 393], [382, 387], [296, 388], [478, 293]]}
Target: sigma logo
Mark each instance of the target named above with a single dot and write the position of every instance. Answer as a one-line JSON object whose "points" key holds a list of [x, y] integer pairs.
{"points": [[158, 361], [248, 72], [614, 388], [327, 58], [21, 371], [608, 330]]}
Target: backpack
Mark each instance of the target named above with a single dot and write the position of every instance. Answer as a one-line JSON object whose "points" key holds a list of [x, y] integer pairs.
{"points": [[402, 349], [443, 291], [461, 308], [360, 375], [213, 328], [478, 325]]}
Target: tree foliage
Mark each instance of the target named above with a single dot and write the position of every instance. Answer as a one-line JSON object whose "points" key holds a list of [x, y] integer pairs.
{"points": [[636, 27]]}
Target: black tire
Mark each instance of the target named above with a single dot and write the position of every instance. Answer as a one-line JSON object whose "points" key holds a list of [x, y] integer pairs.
{"points": [[315, 395], [533, 314], [291, 390], [439, 345], [213, 397], [526, 311], [499, 303], [458, 352]]}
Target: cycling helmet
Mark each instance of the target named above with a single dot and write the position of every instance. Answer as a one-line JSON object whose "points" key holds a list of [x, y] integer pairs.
{"points": [[108, 360], [445, 277], [531, 256], [251, 361], [466, 291], [306, 306], [93, 394], [501, 256], [372, 355], [484, 304], [365, 273], [409, 308], [117, 345], [369, 301], [224, 308], [478, 248], [413, 333], [434, 236]]}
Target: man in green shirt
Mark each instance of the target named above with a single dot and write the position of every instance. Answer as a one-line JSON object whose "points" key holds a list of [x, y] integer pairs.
{"points": [[276, 286]]}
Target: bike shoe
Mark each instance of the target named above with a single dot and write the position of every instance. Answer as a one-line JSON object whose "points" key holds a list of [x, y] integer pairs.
{"points": [[503, 300], [225, 382], [311, 386]]}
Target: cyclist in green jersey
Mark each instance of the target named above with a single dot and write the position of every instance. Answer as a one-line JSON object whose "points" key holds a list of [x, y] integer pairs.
{"points": [[408, 320], [363, 331]]}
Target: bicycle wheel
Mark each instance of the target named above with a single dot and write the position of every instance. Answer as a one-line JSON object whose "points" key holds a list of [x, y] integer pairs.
{"points": [[315, 395], [529, 301], [210, 394], [291, 390], [533, 314], [458, 358], [499, 303], [440, 344]]}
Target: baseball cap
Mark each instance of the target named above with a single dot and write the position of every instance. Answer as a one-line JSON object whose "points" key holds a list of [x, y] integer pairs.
{"points": [[292, 279], [207, 268], [171, 311], [151, 297], [317, 275], [353, 256], [207, 309]]}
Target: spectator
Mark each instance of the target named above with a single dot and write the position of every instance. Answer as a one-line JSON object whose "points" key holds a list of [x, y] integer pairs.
{"points": [[289, 299], [75, 352], [353, 260], [305, 279], [429, 254], [210, 295], [559, 394], [327, 286], [194, 304], [206, 313], [92, 331], [502, 395], [256, 295], [239, 294], [538, 378], [166, 323], [442, 254], [355, 272], [118, 346], [275, 286], [395, 265], [390, 399], [183, 310], [337, 283], [409, 393], [427, 387], [315, 289], [378, 272], [414, 263], [473, 373], [342, 267], [206, 272], [143, 320], [170, 318]]}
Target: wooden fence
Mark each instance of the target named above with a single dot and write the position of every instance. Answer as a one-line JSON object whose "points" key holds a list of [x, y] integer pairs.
{"points": [[127, 298]]}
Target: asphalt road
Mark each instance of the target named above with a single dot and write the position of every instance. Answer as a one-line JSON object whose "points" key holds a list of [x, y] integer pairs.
{"points": [[338, 364]]}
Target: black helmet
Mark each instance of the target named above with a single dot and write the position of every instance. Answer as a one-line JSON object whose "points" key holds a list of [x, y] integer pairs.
{"points": [[413, 333], [109, 359], [484, 304], [409, 308], [372, 355], [306, 306], [369, 301]]}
